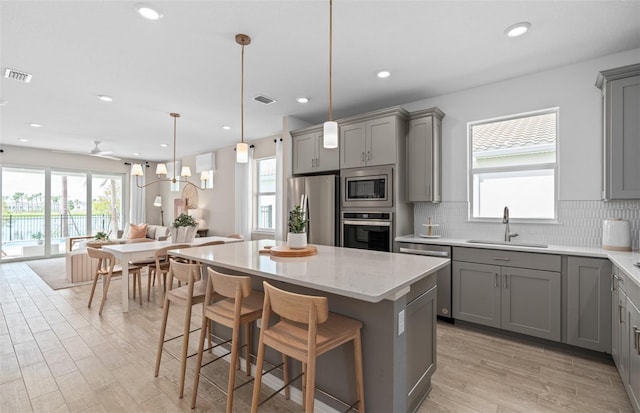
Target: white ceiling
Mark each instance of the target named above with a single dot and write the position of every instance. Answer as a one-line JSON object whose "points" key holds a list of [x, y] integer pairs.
{"points": [[188, 62]]}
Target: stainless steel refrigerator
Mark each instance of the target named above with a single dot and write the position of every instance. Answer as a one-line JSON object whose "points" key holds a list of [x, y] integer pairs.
{"points": [[319, 197]]}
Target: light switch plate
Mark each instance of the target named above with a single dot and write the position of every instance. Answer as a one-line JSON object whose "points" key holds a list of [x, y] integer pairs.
{"points": [[400, 323]]}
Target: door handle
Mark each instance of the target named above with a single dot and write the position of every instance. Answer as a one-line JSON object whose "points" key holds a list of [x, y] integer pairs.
{"points": [[613, 282], [636, 339], [501, 259], [620, 314], [506, 281], [368, 155], [317, 162], [362, 157], [495, 282]]}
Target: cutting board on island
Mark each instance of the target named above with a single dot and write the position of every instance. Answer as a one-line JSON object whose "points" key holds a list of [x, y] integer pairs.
{"points": [[284, 251]]}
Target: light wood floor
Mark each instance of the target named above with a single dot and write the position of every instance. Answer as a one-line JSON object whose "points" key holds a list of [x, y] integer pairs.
{"points": [[57, 355]]}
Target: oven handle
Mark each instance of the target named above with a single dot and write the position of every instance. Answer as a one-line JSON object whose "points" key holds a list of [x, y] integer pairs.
{"points": [[424, 252], [373, 223]]}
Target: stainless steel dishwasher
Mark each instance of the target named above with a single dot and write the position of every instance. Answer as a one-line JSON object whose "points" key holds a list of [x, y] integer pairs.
{"points": [[443, 275]]}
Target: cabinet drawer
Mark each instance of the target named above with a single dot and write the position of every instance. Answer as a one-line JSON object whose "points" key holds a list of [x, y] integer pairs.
{"points": [[546, 262]]}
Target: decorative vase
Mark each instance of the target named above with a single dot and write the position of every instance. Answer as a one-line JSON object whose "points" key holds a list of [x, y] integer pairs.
{"points": [[183, 234], [297, 240]]}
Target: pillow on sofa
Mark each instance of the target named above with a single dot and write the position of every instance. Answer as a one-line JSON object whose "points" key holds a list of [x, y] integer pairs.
{"points": [[137, 231]]}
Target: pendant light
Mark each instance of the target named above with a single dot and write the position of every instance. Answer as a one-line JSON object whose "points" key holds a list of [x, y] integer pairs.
{"points": [[161, 169], [242, 149], [330, 127]]}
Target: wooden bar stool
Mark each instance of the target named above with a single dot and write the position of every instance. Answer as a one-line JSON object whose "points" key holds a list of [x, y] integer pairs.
{"points": [[239, 306], [107, 268], [192, 293], [306, 330]]}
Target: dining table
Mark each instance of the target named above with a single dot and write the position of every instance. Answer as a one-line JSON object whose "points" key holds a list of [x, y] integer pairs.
{"points": [[127, 252]]}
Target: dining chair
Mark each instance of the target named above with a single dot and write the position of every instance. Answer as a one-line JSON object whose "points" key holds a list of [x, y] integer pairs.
{"points": [[106, 269], [160, 267]]}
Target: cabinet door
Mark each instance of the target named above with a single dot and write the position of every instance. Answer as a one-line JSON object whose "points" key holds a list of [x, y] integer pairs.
{"points": [[589, 303], [420, 160], [352, 145], [421, 348], [304, 153], [531, 302], [476, 293], [616, 319], [633, 388], [381, 135], [327, 159], [624, 135], [623, 337]]}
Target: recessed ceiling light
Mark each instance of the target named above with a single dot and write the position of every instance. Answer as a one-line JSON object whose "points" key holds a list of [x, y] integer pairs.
{"points": [[164, 145], [35, 125], [148, 12], [383, 74], [136, 154], [517, 29], [302, 100], [23, 139], [3, 102], [225, 127], [105, 98]]}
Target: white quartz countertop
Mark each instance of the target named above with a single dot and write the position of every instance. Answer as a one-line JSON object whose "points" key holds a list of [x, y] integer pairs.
{"points": [[623, 260], [364, 275]]}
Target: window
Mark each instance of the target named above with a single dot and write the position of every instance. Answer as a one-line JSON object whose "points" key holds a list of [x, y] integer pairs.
{"points": [[265, 195], [513, 163]]}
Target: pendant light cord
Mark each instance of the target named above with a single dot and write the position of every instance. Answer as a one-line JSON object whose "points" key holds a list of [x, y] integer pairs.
{"points": [[330, 60], [242, 98]]}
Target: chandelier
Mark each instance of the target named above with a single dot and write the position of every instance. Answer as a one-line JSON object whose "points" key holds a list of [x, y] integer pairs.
{"points": [[161, 169]]}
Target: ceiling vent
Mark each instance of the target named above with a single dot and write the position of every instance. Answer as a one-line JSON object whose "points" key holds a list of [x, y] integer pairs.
{"points": [[264, 99], [17, 75]]}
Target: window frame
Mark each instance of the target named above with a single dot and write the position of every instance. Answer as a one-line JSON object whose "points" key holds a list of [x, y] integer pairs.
{"points": [[552, 166], [257, 194]]}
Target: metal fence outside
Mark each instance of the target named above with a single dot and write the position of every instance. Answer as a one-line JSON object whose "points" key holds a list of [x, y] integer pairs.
{"points": [[29, 227]]}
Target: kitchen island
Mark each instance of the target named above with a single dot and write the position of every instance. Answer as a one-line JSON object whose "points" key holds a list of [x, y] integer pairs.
{"points": [[392, 294]]}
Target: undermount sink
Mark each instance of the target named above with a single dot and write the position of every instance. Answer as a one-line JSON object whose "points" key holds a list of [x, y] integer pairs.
{"points": [[514, 244]]}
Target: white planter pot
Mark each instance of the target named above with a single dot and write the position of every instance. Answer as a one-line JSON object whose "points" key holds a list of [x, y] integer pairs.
{"points": [[183, 234], [297, 241]]}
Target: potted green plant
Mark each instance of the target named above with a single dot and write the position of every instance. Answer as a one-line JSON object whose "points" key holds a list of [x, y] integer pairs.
{"points": [[38, 237], [101, 236], [297, 236], [184, 228]]}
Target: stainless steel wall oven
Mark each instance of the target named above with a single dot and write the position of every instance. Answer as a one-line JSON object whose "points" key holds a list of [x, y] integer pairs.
{"points": [[367, 230]]}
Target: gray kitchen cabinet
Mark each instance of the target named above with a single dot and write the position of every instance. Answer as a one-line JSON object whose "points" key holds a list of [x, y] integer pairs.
{"points": [[421, 346], [588, 299], [495, 288], [309, 155], [621, 104], [633, 385], [476, 293], [531, 302], [370, 142], [424, 153], [619, 339]]}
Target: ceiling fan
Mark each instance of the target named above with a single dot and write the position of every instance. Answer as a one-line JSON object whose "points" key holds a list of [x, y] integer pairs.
{"points": [[96, 151]]}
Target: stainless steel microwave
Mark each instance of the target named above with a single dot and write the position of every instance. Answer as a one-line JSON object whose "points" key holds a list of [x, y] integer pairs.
{"points": [[367, 187]]}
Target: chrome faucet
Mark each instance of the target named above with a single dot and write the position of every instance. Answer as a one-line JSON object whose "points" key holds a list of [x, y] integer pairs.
{"points": [[505, 220]]}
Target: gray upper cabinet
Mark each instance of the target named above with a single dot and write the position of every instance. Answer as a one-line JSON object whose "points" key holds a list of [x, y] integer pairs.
{"points": [[494, 288], [588, 298], [371, 141], [424, 153], [310, 156], [621, 104]]}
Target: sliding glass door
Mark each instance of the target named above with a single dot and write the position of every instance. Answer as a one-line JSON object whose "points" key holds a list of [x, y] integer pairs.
{"points": [[41, 208]]}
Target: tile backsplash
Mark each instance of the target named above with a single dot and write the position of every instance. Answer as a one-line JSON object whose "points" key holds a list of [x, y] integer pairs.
{"points": [[579, 222]]}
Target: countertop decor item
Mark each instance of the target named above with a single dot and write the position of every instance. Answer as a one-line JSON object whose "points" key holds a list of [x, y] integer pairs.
{"points": [[283, 251], [183, 229], [297, 237], [616, 234]]}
